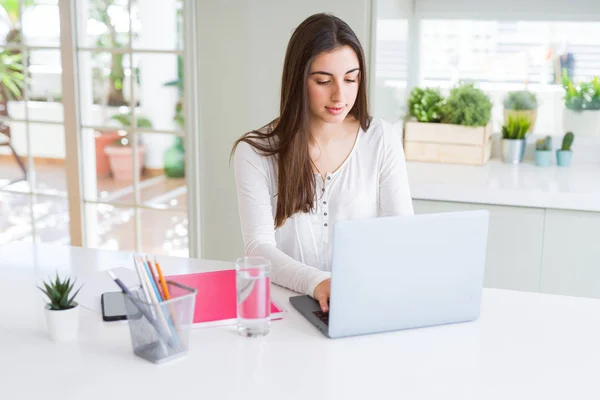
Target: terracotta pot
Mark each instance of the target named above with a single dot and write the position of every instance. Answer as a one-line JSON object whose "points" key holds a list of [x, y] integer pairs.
{"points": [[102, 140], [121, 161]]}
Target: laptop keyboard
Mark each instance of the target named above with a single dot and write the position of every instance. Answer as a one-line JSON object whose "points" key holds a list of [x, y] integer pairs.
{"points": [[323, 316]]}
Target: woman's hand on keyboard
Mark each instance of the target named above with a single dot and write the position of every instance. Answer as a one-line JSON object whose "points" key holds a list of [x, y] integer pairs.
{"points": [[321, 294]]}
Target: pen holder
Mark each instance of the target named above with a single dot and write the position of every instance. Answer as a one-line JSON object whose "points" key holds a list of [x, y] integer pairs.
{"points": [[160, 332]]}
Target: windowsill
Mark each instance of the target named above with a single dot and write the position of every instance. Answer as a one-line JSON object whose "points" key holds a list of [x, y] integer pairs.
{"points": [[525, 185]]}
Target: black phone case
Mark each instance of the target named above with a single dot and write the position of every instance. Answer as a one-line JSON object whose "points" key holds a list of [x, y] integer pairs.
{"points": [[110, 318]]}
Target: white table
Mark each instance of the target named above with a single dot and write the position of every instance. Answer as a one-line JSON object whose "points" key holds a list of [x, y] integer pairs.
{"points": [[524, 346]]}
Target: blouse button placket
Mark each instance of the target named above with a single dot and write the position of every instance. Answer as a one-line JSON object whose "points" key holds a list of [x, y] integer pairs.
{"points": [[325, 209]]}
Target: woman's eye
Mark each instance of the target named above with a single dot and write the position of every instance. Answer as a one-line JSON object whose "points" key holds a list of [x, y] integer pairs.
{"points": [[322, 82], [350, 80]]}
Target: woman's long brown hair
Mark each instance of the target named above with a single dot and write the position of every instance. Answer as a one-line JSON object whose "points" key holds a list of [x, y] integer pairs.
{"points": [[287, 137]]}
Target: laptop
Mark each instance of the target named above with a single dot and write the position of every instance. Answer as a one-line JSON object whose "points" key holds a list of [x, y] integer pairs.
{"points": [[395, 273]]}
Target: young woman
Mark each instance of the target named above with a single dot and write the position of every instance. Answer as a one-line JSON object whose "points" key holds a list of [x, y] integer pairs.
{"points": [[323, 159]]}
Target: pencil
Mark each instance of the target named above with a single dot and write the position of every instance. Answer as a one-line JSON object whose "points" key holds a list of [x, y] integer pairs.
{"points": [[163, 283], [155, 278], [143, 284], [155, 294]]}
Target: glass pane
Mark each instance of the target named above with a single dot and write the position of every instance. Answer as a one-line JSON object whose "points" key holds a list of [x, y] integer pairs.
{"points": [[41, 22], [503, 56], [51, 215], [9, 25], [163, 182], [108, 166], [105, 89], [164, 232], [160, 91], [48, 151], [110, 227], [11, 171], [103, 24], [13, 168], [391, 50], [147, 14], [488, 51], [577, 48], [15, 223], [45, 87]]}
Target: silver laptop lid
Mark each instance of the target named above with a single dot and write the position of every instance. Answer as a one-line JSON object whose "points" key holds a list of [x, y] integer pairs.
{"points": [[405, 272]]}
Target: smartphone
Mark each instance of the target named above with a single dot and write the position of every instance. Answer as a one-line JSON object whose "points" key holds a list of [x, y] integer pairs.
{"points": [[113, 306]]}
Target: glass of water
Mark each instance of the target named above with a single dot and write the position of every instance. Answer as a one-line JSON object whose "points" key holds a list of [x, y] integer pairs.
{"points": [[253, 290]]}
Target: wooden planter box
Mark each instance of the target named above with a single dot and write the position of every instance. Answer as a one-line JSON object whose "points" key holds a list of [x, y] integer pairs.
{"points": [[447, 143]]}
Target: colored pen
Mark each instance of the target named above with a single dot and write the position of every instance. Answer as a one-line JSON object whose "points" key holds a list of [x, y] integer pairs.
{"points": [[156, 278], [163, 283]]}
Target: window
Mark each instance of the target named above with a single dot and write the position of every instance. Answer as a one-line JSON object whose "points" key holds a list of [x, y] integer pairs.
{"points": [[33, 189], [130, 120], [508, 51], [509, 55], [499, 55], [133, 133], [391, 53]]}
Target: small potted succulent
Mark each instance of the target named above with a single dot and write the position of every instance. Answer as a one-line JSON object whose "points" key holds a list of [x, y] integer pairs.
{"points": [[62, 311], [521, 103], [564, 154], [543, 151], [513, 138]]}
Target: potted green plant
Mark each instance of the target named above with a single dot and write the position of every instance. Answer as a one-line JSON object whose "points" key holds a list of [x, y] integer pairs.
{"points": [[543, 151], [582, 106], [120, 152], [453, 130], [521, 102], [564, 154], [513, 138], [62, 311]]}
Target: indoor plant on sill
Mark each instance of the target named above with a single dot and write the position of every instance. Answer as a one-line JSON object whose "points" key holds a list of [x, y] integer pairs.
{"points": [[564, 154], [521, 102], [120, 152], [62, 312], [461, 135], [543, 151], [513, 138], [582, 102]]}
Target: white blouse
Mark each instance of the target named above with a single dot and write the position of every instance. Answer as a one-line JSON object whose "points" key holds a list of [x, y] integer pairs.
{"points": [[371, 182]]}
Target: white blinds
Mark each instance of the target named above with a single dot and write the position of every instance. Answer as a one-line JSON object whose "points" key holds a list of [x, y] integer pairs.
{"points": [[536, 10]]}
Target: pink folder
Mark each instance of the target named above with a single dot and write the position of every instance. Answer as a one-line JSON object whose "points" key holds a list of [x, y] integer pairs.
{"points": [[216, 297]]}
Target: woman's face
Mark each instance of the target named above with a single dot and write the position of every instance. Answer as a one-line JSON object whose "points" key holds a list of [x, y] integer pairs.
{"points": [[333, 81]]}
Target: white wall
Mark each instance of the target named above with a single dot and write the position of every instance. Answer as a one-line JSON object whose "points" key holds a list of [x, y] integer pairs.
{"points": [[241, 49]]}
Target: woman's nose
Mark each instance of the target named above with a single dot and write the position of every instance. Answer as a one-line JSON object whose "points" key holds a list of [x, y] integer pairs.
{"points": [[336, 93]]}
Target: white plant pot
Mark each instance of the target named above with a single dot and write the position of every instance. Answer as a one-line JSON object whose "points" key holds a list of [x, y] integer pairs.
{"points": [[584, 123], [63, 325]]}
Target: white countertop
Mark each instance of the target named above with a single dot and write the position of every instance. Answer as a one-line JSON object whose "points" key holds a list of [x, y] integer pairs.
{"points": [[524, 346], [573, 188]]}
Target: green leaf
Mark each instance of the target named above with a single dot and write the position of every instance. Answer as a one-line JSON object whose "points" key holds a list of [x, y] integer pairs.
{"points": [[70, 302], [45, 292]]}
